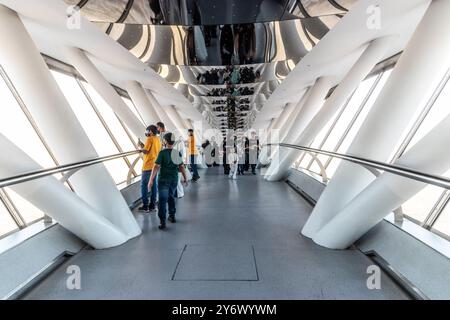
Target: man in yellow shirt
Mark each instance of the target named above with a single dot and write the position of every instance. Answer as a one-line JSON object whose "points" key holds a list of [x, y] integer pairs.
{"points": [[192, 152], [150, 150]]}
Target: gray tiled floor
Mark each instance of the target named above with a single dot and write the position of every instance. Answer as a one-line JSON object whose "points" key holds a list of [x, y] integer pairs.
{"points": [[233, 240]]}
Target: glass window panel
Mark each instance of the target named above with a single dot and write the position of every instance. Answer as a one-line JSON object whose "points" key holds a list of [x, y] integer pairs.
{"points": [[315, 167], [118, 170], [348, 114], [15, 126], [92, 125], [362, 116], [440, 110], [133, 109], [138, 166], [7, 223], [305, 162], [420, 205], [321, 135], [442, 224], [28, 211], [110, 118], [86, 115], [332, 167]]}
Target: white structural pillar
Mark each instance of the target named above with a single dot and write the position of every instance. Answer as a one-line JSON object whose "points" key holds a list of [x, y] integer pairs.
{"points": [[140, 99], [276, 124], [93, 76], [372, 54], [57, 201], [418, 72], [24, 64], [283, 131], [162, 114], [311, 106], [288, 126], [388, 191], [173, 114]]}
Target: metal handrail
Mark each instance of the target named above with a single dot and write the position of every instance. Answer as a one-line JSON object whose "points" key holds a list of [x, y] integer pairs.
{"points": [[406, 172], [33, 175]]}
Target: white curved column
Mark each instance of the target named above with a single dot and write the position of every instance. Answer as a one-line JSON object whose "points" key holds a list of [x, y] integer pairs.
{"points": [[275, 125], [57, 201], [90, 73], [287, 129], [172, 112], [311, 106], [140, 99], [58, 124], [161, 112], [283, 131], [418, 72], [372, 54], [388, 191]]}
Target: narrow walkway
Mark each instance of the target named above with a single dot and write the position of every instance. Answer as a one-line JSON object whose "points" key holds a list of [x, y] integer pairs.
{"points": [[233, 240]]}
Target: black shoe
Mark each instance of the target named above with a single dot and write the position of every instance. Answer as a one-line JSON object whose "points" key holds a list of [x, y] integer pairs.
{"points": [[151, 207], [144, 209], [254, 172], [172, 219], [161, 226]]}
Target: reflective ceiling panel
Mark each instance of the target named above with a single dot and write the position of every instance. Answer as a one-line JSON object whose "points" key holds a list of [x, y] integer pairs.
{"points": [[206, 12], [196, 44], [272, 71], [220, 45]]}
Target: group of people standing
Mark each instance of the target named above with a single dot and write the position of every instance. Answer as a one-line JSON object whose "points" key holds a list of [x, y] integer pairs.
{"points": [[241, 155], [229, 75], [161, 166]]}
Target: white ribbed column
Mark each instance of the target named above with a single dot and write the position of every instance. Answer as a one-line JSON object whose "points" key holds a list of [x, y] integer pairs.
{"points": [[374, 53], [161, 112], [419, 70], [388, 191], [290, 122], [140, 99], [311, 106], [58, 124], [172, 112], [57, 201], [90, 73], [283, 130], [275, 125]]}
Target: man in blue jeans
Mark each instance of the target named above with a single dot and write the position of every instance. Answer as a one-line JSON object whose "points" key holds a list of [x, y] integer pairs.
{"points": [[168, 164], [192, 152], [150, 150]]}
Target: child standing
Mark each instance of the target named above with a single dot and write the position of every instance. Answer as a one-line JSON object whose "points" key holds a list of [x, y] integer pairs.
{"points": [[233, 160], [169, 162], [241, 159]]}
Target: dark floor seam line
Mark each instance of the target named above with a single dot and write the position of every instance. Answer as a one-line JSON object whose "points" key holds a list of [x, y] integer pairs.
{"points": [[254, 261], [178, 263], [216, 280]]}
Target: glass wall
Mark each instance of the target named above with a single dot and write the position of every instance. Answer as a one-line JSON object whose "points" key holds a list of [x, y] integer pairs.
{"points": [[442, 224], [106, 132], [7, 224], [340, 131], [86, 110], [17, 128], [430, 207]]}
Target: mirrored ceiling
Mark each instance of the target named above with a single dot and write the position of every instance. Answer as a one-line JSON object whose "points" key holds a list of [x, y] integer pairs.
{"points": [[225, 56], [206, 12]]}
